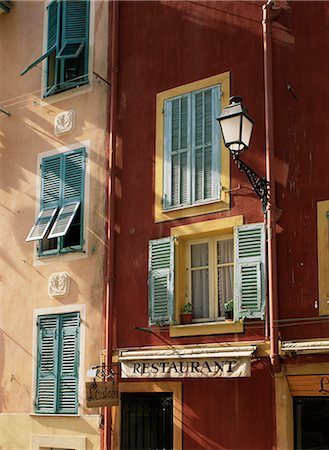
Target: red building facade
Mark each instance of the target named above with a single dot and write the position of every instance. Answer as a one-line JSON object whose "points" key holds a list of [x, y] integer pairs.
{"points": [[189, 230]]}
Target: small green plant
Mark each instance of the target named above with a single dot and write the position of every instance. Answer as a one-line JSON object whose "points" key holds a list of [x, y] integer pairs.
{"points": [[187, 308], [228, 306]]}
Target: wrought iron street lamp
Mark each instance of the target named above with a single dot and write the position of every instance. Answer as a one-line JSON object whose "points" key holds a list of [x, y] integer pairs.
{"points": [[236, 126]]}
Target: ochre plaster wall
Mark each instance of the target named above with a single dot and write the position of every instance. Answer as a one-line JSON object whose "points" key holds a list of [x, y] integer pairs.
{"points": [[28, 132]]}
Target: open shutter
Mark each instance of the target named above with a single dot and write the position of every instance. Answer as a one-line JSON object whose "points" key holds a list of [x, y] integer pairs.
{"points": [[42, 224], [250, 271], [161, 281], [53, 14], [47, 364], [205, 144], [71, 192], [68, 364], [177, 151], [75, 26]]}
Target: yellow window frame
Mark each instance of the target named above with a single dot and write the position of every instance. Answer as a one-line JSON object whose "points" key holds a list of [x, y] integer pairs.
{"points": [[185, 234], [191, 210], [323, 256]]}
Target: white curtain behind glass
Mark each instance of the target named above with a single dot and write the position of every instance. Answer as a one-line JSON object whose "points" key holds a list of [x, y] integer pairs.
{"points": [[225, 258], [200, 280]]}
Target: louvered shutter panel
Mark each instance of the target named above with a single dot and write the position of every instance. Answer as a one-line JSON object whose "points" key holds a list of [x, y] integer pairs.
{"points": [[177, 151], [161, 281], [73, 176], [68, 364], [47, 364], [250, 271], [51, 181], [52, 36], [53, 26], [75, 28], [205, 144]]}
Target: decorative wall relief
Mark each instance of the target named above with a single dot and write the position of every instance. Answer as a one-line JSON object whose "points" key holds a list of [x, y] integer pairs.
{"points": [[58, 284], [64, 122]]}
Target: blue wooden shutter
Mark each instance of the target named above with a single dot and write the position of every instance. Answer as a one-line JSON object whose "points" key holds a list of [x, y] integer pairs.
{"points": [[68, 364], [47, 364], [177, 151], [52, 36], [72, 191], [250, 271], [161, 281], [205, 145]]}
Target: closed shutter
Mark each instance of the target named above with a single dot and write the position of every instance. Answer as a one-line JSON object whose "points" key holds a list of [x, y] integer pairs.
{"points": [[75, 29], [48, 327], [161, 281], [68, 364], [250, 271], [177, 151], [71, 192], [205, 144]]}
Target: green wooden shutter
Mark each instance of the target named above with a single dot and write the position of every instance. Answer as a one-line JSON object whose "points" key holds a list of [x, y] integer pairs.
{"points": [[205, 145], [47, 364], [68, 364], [177, 151], [161, 281], [250, 271], [52, 36], [51, 181], [72, 191], [75, 28]]}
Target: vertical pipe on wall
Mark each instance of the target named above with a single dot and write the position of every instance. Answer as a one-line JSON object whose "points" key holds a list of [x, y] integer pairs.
{"points": [[268, 15], [106, 438]]}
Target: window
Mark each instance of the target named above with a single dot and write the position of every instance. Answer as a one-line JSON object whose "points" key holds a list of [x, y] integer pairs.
{"points": [[59, 225], [200, 268], [67, 45], [192, 173], [191, 148], [57, 363], [210, 264], [323, 255]]}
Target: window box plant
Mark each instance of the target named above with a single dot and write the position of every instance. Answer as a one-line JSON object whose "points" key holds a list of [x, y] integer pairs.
{"points": [[186, 315], [228, 310]]}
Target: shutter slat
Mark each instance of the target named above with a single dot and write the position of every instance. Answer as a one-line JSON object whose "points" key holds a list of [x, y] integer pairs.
{"points": [[250, 271], [73, 176], [52, 24], [161, 281]]}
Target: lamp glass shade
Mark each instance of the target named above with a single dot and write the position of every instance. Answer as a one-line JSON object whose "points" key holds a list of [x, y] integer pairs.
{"points": [[231, 127], [246, 131]]}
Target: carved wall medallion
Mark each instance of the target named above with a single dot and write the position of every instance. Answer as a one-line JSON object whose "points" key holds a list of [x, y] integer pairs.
{"points": [[58, 284], [64, 122]]}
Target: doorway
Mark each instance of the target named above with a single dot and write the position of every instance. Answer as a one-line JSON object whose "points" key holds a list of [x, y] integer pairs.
{"points": [[147, 421], [311, 423]]}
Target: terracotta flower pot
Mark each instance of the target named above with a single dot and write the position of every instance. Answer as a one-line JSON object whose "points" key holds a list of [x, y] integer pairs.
{"points": [[186, 318]]}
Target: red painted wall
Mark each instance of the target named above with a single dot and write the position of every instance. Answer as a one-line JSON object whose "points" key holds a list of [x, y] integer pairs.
{"points": [[302, 160], [163, 45]]}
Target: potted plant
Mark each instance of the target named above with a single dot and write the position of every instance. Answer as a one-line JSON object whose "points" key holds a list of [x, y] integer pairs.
{"points": [[228, 310], [186, 315]]}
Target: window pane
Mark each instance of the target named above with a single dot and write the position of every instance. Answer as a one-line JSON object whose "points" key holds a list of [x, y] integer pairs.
{"points": [[200, 293], [225, 287], [199, 255], [225, 251]]}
